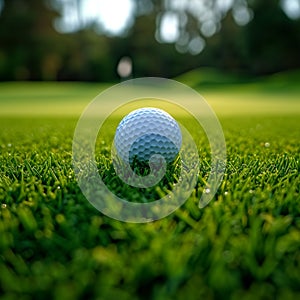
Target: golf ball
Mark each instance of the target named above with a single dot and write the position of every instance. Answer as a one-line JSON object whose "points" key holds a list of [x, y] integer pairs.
{"points": [[145, 132]]}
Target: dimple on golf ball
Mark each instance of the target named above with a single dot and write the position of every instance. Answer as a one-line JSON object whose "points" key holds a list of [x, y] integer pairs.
{"points": [[145, 132]]}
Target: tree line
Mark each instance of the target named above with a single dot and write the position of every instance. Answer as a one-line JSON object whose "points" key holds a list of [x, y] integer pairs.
{"points": [[31, 49]]}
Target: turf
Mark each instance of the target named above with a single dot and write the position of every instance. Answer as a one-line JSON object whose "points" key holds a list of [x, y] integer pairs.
{"points": [[244, 245]]}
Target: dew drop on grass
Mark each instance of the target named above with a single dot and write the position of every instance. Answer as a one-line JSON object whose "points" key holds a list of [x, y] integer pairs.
{"points": [[267, 145], [226, 193], [207, 191], [3, 205]]}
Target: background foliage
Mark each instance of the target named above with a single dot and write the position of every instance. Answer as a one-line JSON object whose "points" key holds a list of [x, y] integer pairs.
{"points": [[264, 40]]}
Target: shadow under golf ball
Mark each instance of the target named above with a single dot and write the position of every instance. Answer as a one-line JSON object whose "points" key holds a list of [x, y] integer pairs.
{"points": [[142, 168]]}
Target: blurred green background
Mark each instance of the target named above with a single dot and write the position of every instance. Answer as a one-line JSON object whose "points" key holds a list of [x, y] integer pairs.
{"points": [[84, 40]]}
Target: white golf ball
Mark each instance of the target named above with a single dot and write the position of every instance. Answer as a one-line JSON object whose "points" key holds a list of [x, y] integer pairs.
{"points": [[145, 132]]}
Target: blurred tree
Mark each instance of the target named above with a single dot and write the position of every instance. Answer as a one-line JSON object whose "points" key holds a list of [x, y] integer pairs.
{"points": [[167, 38], [29, 46], [87, 57], [271, 39], [243, 35], [150, 57], [225, 49]]}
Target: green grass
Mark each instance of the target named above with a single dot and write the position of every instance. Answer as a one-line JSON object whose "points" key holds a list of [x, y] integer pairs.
{"points": [[244, 245]]}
